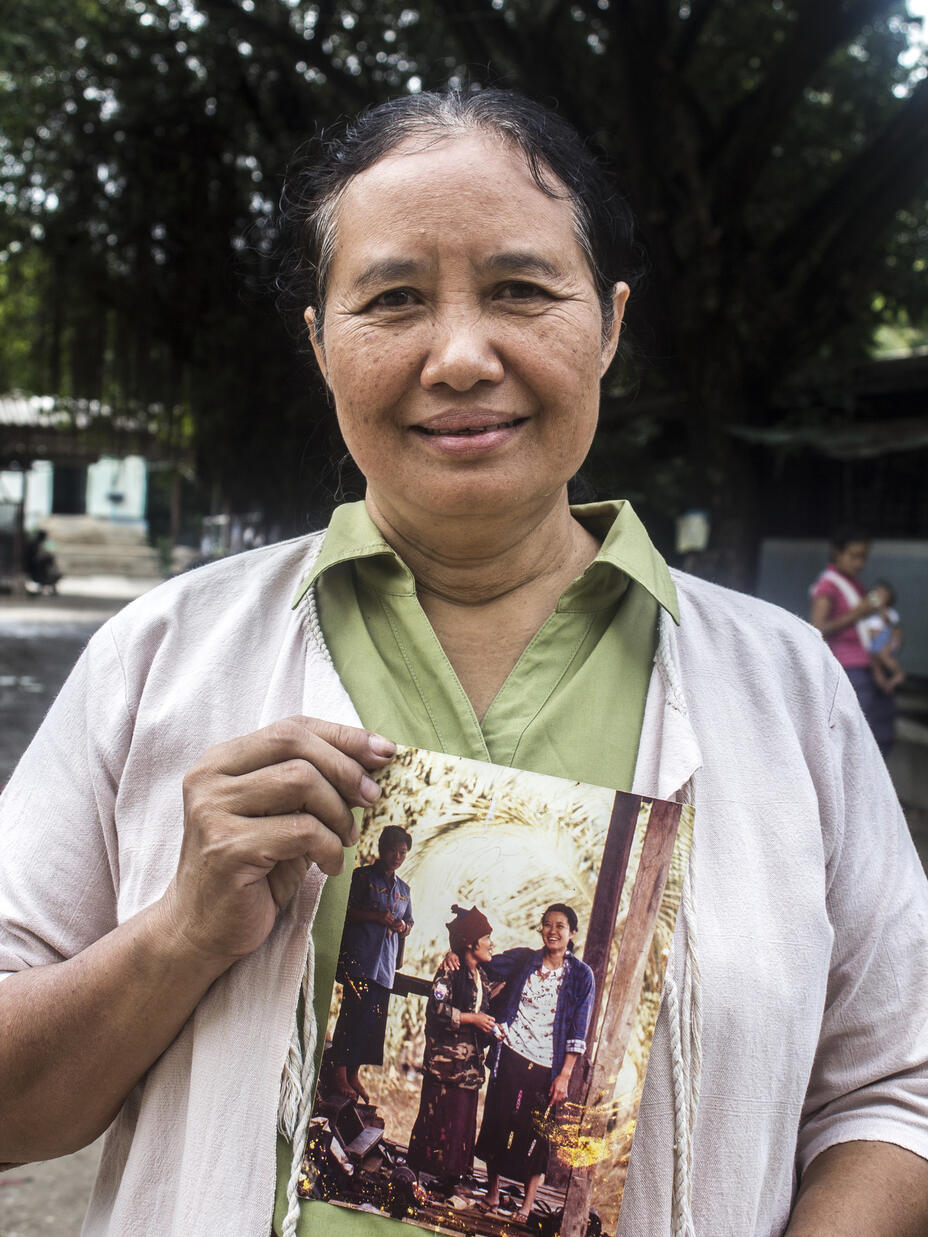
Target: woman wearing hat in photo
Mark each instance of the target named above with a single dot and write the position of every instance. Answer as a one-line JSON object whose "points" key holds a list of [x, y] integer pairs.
{"points": [[458, 1027]]}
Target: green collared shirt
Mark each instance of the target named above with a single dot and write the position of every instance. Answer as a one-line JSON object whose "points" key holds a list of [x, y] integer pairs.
{"points": [[572, 706]]}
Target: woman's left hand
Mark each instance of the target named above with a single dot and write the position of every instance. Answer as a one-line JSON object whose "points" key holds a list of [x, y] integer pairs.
{"points": [[558, 1091]]}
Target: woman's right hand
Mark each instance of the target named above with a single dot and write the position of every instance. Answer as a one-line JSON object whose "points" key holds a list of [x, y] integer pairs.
{"points": [[483, 1022], [258, 812]]}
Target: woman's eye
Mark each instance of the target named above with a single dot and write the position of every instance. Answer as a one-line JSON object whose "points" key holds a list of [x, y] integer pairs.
{"points": [[517, 290], [395, 298]]}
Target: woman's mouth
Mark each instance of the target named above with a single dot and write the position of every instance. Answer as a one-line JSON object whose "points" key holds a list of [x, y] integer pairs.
{"points": [[469, 435], [469, 430]]}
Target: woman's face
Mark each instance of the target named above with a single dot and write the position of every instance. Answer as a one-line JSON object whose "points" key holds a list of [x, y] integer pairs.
{"points": [[462, 333], [853, 558], [555, 932], [483, 949]]}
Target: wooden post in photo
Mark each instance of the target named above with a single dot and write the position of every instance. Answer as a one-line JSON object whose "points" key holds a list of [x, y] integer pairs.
{"points": [[650, 880], [606, 898], [597, 945]]}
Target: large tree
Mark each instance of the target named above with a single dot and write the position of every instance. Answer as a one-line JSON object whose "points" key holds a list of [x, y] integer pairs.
{"points": [[773, 153]]}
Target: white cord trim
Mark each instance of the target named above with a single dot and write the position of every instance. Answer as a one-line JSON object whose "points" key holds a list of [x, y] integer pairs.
{"points": [[663, 659], [684, 1016], [312, 621], [296, 1096]]}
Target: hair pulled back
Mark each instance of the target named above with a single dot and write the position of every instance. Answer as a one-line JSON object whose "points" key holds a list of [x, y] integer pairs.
{"points": [[569, 914], [556, 155]]}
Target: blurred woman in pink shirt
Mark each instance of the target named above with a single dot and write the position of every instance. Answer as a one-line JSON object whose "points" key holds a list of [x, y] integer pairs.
{"points": [[839, 604]]}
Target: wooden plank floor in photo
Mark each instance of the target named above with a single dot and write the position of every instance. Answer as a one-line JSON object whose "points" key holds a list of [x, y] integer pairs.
{"points": [[471, 1221], [484, 1223]]}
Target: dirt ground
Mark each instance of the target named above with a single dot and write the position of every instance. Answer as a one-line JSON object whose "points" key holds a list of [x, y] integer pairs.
{"points": [[40, 639], [38, 1200]]}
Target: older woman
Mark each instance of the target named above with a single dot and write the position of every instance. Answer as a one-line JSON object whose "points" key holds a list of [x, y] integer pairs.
{"points": [[167, 836], [545, 1012]]}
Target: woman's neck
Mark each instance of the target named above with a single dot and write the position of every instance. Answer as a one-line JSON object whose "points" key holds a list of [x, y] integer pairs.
{"points": [[552, 961], [487, 586], [477, 560]]}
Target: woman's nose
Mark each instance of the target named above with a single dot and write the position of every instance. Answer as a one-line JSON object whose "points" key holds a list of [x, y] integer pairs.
{"points": [[462, 353]]}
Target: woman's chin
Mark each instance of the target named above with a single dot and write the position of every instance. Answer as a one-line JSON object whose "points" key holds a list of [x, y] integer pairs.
{"points": [[468, 499]]}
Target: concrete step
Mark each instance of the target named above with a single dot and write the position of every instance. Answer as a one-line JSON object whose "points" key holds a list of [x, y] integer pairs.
{"points": [[101, 560], [84, 545], [86, 530]]}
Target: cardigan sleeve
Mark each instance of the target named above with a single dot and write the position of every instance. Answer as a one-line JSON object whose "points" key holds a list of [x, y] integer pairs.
{"points": [[59, 859], [870, 1076], [582, 1006]]}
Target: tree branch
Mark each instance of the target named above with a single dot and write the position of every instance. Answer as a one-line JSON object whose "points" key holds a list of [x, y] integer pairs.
{"points": [[654, 22], [840, 237], [690, 30], [752, 126], [877, 176], [354, 93], [469, 34]]}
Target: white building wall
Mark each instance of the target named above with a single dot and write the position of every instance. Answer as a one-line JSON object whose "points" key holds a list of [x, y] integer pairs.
{"points": [[11, 486], [107, 479], [38, 486], [116, 489], [38, 493]]}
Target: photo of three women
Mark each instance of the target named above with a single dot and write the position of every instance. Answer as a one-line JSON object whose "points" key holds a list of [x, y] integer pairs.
{"points": [[531, 1007]]}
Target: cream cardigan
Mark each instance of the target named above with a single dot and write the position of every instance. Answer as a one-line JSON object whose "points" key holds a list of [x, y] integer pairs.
{"points": [[796, 1020]]}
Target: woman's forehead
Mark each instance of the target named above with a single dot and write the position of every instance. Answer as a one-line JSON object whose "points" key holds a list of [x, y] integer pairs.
{"points": [[472, 179], [430, 155]]}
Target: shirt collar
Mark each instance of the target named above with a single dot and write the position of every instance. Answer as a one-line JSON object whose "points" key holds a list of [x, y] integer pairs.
{"points": [[626, 548]]}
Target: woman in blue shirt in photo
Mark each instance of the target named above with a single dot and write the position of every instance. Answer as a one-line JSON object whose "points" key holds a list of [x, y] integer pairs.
{"points": [[544, 1011]]}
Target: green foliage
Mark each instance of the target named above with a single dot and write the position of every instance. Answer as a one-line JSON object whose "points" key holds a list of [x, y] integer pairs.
{"points": [[773, 152]]}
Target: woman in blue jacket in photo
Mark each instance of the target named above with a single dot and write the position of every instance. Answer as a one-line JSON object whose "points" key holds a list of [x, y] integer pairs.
{"points": [[544, 1011]]}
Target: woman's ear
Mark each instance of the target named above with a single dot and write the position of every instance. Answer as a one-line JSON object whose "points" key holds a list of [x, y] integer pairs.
{"points": [[620, 293], [315, 338]]}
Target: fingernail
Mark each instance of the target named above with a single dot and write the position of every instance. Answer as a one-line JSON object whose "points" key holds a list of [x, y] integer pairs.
{"points": [[381, 746], [370, 791]]}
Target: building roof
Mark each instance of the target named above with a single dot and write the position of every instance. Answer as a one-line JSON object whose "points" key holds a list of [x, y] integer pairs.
{"points": [[34, 427]]}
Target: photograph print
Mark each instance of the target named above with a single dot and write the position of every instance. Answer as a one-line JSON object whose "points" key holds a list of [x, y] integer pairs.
{"points": [[498, 983]]}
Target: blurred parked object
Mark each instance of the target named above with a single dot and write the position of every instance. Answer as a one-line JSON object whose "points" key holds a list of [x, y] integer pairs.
{"points": [[39, 561], [9, 543]]}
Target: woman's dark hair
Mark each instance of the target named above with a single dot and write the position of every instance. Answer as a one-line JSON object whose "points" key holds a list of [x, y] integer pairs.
{"points": [[556, 155], [847, 535], [391, 835], [569, 914]]}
